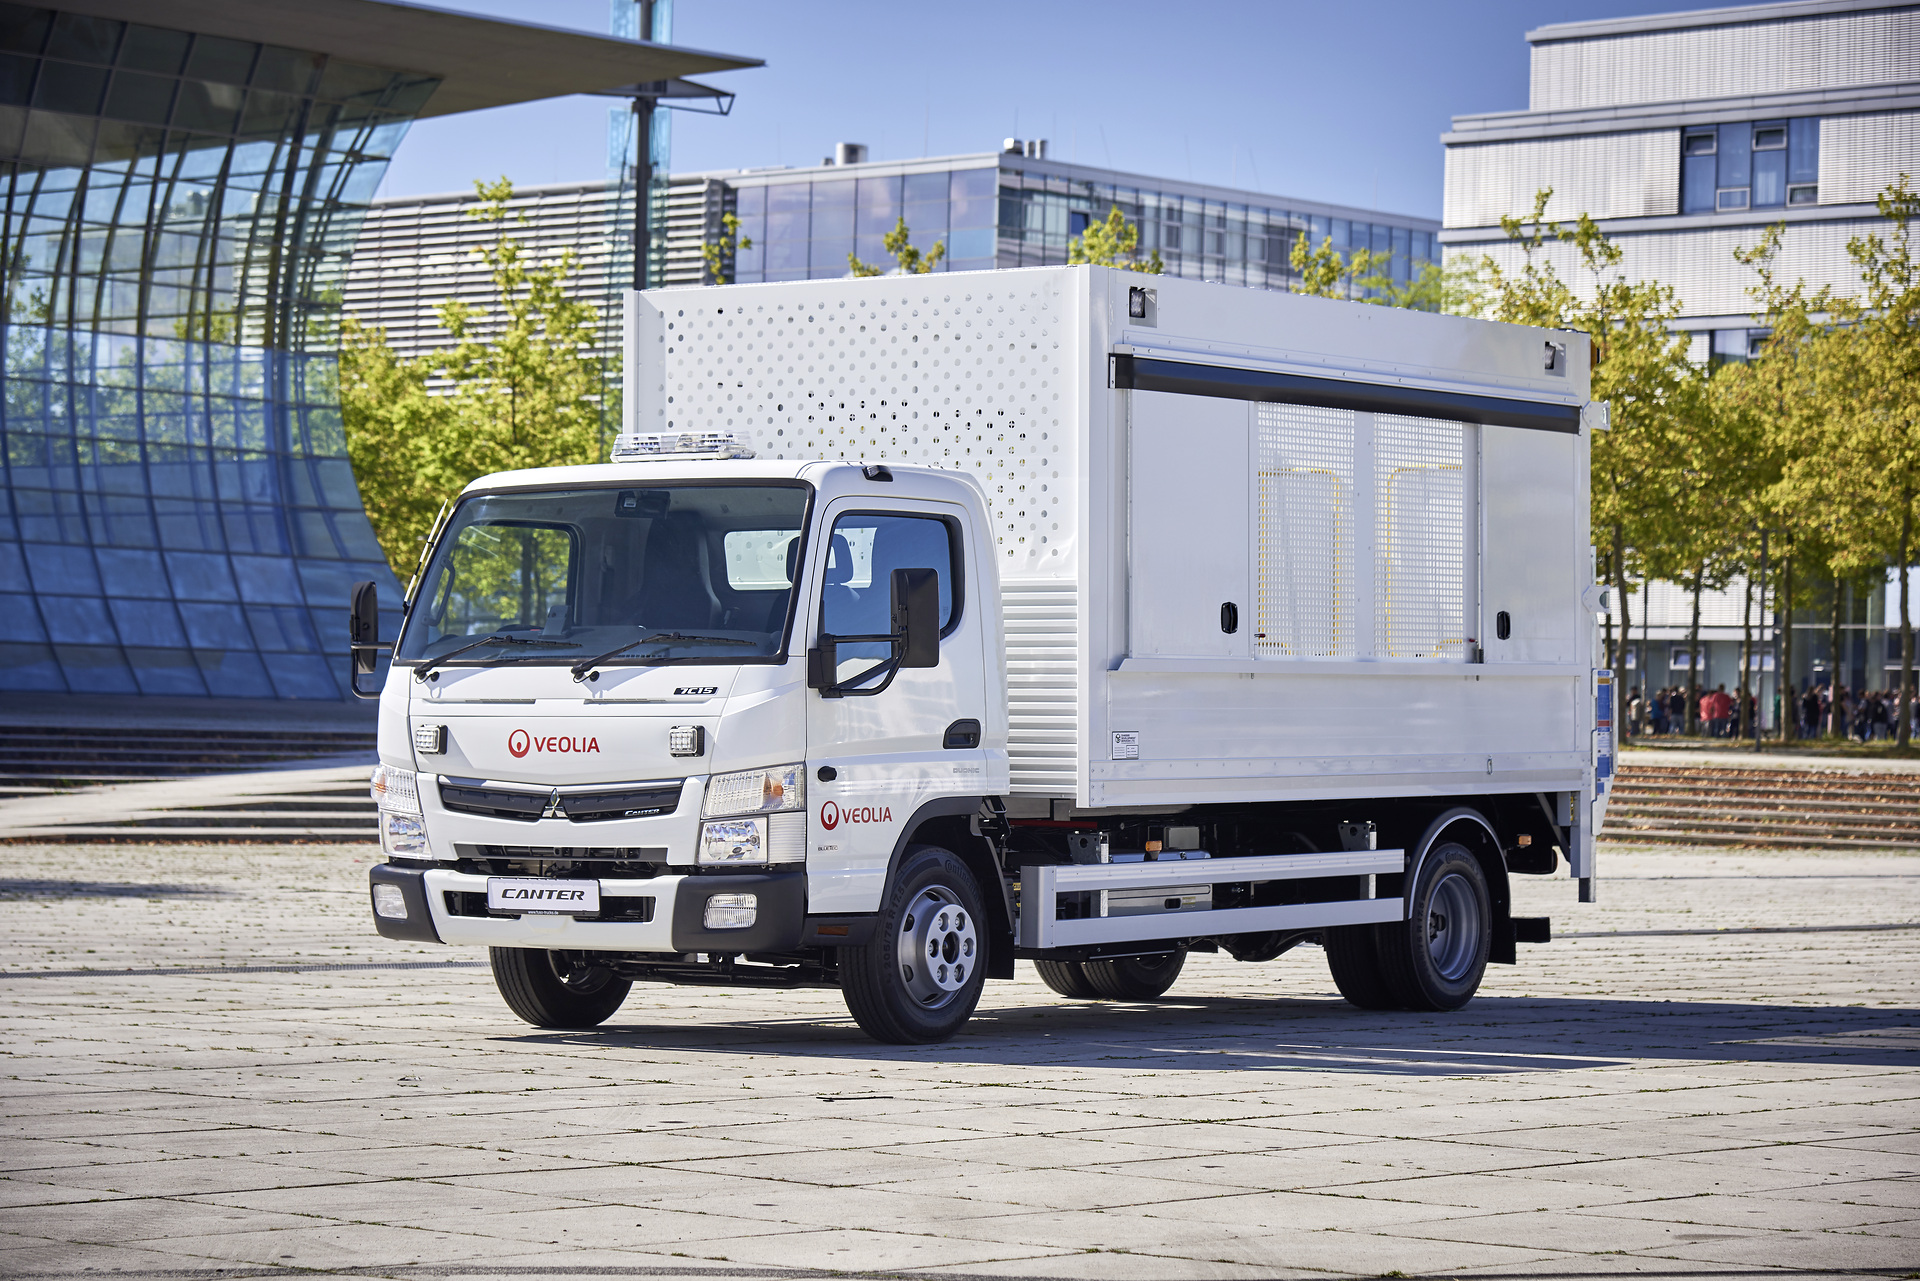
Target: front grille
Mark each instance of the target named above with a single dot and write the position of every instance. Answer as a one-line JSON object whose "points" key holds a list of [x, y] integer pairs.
{"points": [[623, 908], [631, 863], [494, 802], [628, 800], [642, 801]]}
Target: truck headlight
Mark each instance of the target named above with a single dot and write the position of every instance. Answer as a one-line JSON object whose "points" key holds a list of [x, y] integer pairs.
{"points": [[734, 840], [403, 836], [756, 791], [395, 790]]}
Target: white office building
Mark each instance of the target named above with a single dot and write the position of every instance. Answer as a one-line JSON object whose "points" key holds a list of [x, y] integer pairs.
{"points": [[1685, 136]]}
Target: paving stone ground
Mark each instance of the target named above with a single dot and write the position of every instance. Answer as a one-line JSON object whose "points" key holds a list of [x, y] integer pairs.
{"points": [[213, 1068]]}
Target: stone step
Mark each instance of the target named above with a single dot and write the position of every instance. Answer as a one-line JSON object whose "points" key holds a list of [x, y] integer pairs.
{"points": [[135, 835]]}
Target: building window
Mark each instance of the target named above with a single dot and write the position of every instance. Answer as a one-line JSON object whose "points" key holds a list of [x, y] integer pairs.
{"points": [[1766, 164]]}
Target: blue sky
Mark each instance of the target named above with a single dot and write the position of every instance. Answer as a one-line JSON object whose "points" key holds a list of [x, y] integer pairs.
{"points": [[1335, 102]]}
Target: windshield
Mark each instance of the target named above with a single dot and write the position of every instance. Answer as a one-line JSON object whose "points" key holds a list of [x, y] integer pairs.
{"points": [[691, 572]]}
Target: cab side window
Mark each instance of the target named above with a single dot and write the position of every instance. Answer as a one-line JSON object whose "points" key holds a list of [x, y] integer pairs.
{"points": [[865, 549]]}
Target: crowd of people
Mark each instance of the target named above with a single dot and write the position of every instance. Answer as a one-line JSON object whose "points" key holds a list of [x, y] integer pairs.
{"points": [[1865, 715]]}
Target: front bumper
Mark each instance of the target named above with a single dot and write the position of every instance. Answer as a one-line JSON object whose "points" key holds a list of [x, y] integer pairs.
{"points": [[676, 924]]}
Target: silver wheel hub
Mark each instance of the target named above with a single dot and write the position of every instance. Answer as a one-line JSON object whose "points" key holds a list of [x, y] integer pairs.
{"points": [[937, 948], [1453, 927]]}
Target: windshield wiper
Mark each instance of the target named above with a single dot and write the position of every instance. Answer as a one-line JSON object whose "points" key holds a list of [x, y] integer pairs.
{"points": [[580, 670], [498, 638]]}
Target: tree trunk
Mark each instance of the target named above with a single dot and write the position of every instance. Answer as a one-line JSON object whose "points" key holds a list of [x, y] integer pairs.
{"points": [[1623, 723], [1782, 678], [1905, 733], [1744, 730], [1693, 653], [1836, 718]]}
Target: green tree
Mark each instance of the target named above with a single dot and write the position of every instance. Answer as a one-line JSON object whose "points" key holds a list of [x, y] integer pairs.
{"points": [[522, 389], [908, 259], [719, 254], [1113, 243], [1854, 429], [1367, 276], [1775, 390], [1323, 272]]}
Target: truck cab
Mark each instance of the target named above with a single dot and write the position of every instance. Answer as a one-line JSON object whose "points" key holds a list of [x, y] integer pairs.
{"points": [[598, 734]]}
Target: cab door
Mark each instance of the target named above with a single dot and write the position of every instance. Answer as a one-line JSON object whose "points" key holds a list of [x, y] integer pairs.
{"points": [[875, 755]]}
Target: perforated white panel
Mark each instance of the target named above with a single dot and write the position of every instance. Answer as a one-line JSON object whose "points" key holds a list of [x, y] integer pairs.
{"points": [[1420, 551], [1814, 52], [1619, 175], [1306, 602], [965, 373], [1861, 155]]}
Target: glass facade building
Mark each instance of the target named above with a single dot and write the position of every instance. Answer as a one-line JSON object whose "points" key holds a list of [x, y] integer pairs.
{"points": [[180, 515], [1014, 210]]}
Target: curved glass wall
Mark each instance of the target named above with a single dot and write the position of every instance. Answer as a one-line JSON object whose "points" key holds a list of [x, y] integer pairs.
{"points": [[179, 515]]}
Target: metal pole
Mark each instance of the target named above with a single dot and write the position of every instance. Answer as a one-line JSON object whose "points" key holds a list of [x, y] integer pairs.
{"points": [[643, 109], [1760, 679]]}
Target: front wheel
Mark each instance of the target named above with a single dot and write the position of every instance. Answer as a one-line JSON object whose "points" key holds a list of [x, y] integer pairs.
{"points": [[1434, 960], [919, 978], [556, 989]]}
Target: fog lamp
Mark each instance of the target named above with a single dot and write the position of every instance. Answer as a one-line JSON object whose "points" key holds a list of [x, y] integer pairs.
{"points": [[731, 911], [389, 902]]}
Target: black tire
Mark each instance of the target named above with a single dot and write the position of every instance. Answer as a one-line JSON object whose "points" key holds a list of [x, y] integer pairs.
{"points": [[1434, 960], [1066, 978], [556, 989], [1134, 978], [1353, 957], [919, 979]]}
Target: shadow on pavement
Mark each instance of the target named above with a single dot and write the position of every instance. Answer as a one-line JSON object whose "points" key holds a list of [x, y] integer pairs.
{"points": [[19, 887], [1494, 1035]]}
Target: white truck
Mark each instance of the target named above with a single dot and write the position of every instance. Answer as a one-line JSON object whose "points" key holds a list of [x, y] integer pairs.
{"points": [[923, 624]]}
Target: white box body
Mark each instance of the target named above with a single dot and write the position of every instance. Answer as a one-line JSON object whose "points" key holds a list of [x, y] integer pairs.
{"points": [[1367, 553]]}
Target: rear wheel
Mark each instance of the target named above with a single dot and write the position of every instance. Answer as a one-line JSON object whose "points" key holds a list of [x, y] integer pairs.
{"points": [[1134, 978], [1066, 978], [1435, 959], [556, 989], [919, 979], [1353, 956]]}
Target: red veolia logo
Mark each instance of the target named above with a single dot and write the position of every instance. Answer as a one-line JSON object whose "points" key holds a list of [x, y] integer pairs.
{"points": [[520, 743], [832, 816]]}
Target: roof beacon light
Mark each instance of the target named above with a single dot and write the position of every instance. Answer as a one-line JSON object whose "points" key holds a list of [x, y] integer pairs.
{"points": [[668, 446]]}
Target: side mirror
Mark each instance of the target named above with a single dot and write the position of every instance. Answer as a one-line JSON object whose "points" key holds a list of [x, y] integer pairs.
{"points": [[916, 616], [363, 637], [914, 640], [363, 626]]}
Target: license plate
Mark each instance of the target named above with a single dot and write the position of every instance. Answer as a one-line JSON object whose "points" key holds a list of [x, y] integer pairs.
{"points": [[537, 894]]}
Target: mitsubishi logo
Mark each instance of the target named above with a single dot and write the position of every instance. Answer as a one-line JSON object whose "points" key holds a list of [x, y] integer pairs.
{"points": [[553, 809]]}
